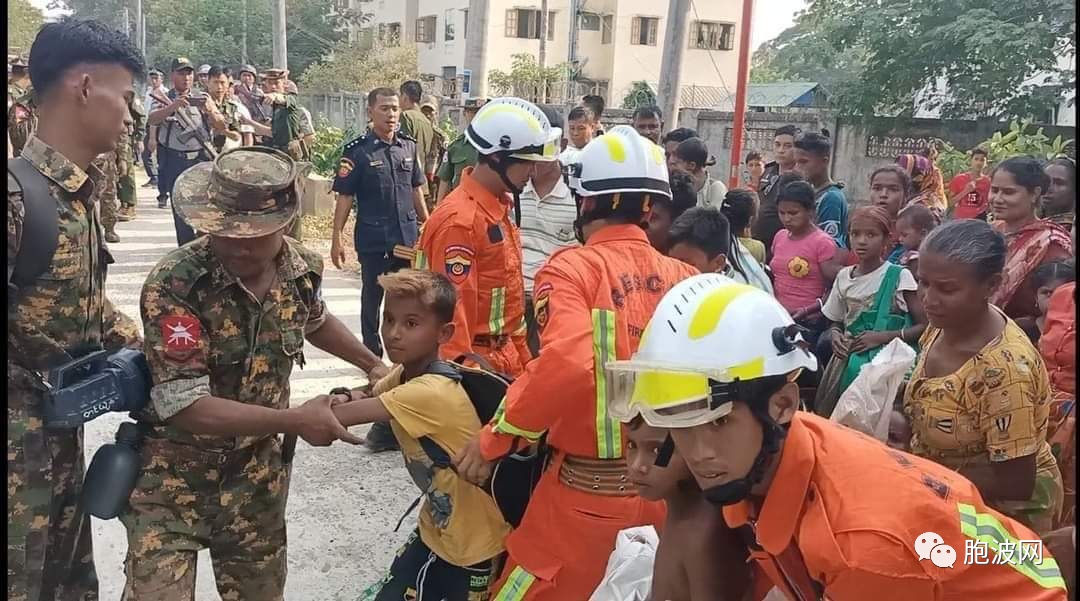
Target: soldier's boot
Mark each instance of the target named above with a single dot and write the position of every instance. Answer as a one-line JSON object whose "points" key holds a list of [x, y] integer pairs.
{"points": [[381, 438], [126, 213], [110, 235], [163, 202]]}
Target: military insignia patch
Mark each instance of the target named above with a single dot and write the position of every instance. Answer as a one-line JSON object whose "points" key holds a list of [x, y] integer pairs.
{"points": [[541, 306], [458, 263], [345, 167], [181, 334]]}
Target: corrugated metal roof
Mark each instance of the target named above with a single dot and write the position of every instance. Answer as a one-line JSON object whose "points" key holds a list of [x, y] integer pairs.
{"points": [[777, 94]]}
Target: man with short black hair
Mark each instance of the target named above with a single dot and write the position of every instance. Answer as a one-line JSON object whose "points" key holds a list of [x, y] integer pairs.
{"points": [[414, 123], [379, 175], [84, 76], [812, 157], [648, 121], [768, 219], [596, 104]]}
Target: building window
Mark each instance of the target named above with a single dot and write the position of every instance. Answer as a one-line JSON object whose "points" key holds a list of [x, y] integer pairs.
{"points": [[525, 23], [606, 28], [590, 22], [390, 33], [464, 23], [425, 29], [708, 35], [448, 32], [643, 31]]}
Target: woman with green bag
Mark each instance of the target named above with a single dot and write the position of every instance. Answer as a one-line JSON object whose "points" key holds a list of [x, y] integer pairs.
{"points": [[870, 304]]}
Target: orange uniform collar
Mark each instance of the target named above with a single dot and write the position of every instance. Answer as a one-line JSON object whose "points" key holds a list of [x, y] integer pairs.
{"points": [[784, 501], [492, 205], [631, 232]]}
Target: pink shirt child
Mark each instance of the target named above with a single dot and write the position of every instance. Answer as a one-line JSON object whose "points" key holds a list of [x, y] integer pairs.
{"points": [[796, 267]]}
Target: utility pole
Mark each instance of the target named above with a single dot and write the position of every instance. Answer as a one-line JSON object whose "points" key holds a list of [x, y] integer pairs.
{"points": [[740, 91], [476, 47], [243, 33], [572, 54], [670, 83], [542, 55], [281, 52], [140, 33]]}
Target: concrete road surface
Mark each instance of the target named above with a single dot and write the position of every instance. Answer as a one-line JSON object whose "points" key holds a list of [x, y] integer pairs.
{"points": [[343, 501]]}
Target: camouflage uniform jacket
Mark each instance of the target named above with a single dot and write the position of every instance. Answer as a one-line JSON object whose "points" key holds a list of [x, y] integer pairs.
{"points": [[207, 335], [66, 307], [22, 120]]}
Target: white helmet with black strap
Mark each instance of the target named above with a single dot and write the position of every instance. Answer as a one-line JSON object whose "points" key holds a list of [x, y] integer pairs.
{"points": [[618, 173], [512, 129]]}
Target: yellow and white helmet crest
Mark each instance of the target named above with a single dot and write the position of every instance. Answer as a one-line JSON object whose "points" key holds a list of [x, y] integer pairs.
{"points": [[707, 329], [515, 126], [621, 160]]}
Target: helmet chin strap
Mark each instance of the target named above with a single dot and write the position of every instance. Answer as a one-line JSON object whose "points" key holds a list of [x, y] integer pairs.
{"points": [[739, 489], [500, 166]]}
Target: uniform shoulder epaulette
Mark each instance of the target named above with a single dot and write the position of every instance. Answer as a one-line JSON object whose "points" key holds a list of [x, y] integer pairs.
{"points": [[354, 142], [406, 137]]}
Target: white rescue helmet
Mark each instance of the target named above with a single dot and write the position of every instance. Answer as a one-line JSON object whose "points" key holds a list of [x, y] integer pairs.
{"points": [[621, 160], [708, 334], [204, 69], [514, 126]]}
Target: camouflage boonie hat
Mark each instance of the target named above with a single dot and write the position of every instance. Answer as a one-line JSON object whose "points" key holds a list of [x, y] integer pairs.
{"points": [[247, 69], [18, 63], [246, 193], [430, 102], [275, 74]]}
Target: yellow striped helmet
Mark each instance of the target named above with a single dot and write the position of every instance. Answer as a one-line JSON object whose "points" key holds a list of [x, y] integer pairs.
{"points": [[514, 126], [707, 333]]}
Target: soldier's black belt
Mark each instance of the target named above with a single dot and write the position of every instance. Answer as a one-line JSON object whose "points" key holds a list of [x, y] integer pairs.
{"points": [[190, 155]]}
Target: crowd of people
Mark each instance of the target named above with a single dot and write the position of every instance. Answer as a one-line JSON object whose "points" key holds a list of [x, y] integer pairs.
{"points": [[671, 349]]}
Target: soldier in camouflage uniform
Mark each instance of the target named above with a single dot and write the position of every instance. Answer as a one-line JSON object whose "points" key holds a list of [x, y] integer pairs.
{"points": [[108, 164], [22, 120], [126, 153], [226, 317], [59, 313], [18, 79]]}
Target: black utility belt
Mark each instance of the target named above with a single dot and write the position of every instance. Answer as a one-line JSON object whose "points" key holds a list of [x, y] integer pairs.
{"points": [[190, 155]]}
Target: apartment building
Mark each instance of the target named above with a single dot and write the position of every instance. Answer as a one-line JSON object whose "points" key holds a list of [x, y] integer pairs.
{"points": [[619, 42]]}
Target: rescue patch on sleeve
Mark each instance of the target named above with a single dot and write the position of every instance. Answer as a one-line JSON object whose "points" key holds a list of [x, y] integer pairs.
{"points": [[181, 334], [458, 262], [541, 306], [345, 167]]}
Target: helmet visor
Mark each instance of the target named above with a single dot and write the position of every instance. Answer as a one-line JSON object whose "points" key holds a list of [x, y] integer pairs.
{"points": [[547, 153], [664, 396]]}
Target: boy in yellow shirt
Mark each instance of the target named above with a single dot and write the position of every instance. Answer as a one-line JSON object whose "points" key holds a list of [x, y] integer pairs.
{"points": [[461, 530]]}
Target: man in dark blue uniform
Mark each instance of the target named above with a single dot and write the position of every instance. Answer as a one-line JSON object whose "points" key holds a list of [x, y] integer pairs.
{"points": [[378, 173], [177, 147]]}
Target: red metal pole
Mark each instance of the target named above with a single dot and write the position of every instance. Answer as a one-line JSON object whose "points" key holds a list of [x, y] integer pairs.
{"points": [[740, 92]]}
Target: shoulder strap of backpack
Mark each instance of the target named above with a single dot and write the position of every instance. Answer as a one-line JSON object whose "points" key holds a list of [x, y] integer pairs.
{"points": [[40, 229], [439, 457]]}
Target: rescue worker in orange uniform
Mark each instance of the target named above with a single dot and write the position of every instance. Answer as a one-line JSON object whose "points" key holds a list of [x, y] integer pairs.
{"points": [[592, 303], [471, 239], [826, 511]]}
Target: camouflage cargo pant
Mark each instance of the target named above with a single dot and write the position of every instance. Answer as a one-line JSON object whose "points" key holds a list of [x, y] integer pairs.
{"points": [[106, 197], [49, 551], [125, 186], [187, 499]]}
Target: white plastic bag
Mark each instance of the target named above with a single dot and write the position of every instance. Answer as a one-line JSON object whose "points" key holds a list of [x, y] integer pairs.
{"points": [[867, 403], [628, 576]]}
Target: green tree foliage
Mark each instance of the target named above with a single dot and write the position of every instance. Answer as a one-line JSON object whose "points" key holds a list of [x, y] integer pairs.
{"points": [[1021, 138], [23, 20], [874, 56], [359, 67], [527, 79], [640, 94], [210, 31]]}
